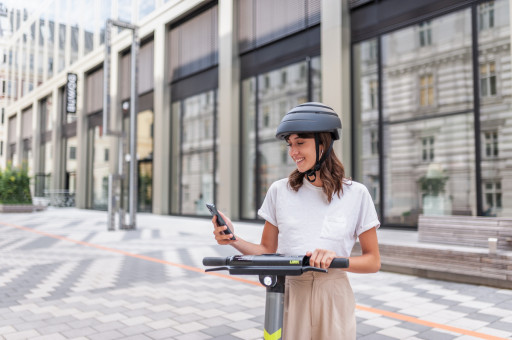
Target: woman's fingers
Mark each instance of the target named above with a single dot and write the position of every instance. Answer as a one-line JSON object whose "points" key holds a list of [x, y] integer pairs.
{"points": [[321, 258]]}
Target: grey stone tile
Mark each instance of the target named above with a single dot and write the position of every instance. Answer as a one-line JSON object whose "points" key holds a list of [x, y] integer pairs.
{"points": [[163, 334], [78, 332], [483, 317], [137, 329], [109, 335], [414, 327], [504, 326], [364, 329], [375, 336], [219, 330], [433, 335], [193, 336], [109, 326], [187, 318], [54, 329], [139, 337]]}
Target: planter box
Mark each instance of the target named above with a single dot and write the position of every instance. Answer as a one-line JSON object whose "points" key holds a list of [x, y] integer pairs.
{"points": [[16, 208]]}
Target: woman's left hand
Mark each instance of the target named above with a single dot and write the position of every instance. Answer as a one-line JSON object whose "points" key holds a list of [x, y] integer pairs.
{"points": [[321, 258]]}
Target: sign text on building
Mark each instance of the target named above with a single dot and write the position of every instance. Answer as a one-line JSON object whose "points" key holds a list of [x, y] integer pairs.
{"points": [[71, 93]]}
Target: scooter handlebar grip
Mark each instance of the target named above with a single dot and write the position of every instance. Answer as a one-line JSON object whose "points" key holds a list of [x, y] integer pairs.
{"points": [[339, 262], [215, 261]]}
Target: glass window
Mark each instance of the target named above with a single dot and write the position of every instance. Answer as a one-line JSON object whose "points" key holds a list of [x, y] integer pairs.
{"points": [[100, 168], [146, 7], [495, 106], [427, 149], [71, 166], [426, 90], [266, 99], [366, 117], [493, 198], [124, 11], [488, 79], [491, 144], [105, 8], [145, 144], [195, 118], [428, 157], [486, 16], [425, 33]]}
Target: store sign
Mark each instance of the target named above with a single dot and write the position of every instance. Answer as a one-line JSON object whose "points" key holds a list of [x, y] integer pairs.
{"points": [[71, 93]]}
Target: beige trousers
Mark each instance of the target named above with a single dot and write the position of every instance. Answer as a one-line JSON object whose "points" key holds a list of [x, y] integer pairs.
{"points": [[319, 306]]}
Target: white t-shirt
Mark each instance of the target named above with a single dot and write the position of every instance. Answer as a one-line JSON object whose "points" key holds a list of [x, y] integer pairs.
{"points": [[307, 221]]}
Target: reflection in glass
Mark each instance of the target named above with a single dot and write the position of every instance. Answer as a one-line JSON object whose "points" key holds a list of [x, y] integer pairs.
{"points": [[277, 94], [175, 166], [146, 7], [145, 120], [366, 117], [197, 153], [428, 128], [248, 147], [495, 106], [316, 79], [71, 165], [99, 151], [265, 100], [124, 11], [105, 9]]}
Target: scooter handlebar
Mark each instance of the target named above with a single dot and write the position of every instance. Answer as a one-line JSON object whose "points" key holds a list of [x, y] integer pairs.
{"points": [[339, 262], [215, 261]]}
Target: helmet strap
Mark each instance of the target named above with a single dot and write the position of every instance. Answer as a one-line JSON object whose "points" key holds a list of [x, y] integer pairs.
{"points": [[311, 173]]}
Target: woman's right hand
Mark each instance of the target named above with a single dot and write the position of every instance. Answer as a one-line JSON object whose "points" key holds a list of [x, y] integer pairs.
{"points": [[218, 230]]}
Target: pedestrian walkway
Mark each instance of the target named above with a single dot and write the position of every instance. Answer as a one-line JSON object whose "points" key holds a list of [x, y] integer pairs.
{"points": [[64, 276]]}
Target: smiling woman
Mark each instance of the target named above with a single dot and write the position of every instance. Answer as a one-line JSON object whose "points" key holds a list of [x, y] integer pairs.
{"points": [[318, 212]]}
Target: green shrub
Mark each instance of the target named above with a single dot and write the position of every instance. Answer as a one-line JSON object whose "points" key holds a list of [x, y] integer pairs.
{"points": [[14, 186]]}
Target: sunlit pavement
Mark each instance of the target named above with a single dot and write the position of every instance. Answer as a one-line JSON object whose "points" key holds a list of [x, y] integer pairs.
{"points": [[64, 276]]}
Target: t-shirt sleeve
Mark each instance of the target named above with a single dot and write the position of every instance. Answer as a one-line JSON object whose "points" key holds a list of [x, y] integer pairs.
{"points": [[367, 214], [268, 208]]}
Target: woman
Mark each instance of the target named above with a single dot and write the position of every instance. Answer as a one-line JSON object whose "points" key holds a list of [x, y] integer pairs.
{"points": [[318, 212]]}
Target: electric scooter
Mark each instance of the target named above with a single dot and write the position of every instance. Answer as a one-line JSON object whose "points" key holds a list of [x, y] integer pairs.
{"points": [[272, 270]]}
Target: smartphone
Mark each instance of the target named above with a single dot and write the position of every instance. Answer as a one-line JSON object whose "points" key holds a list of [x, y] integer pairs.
{"points": [[220, 220]]}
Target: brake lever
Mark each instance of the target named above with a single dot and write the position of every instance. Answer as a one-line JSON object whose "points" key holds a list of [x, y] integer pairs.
{"points": [[313, 269]]}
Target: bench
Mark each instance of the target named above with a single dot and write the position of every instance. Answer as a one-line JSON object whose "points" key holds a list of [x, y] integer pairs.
{"points": [[468, 231]]}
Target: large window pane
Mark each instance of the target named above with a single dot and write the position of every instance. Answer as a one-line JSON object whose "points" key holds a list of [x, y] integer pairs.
{"points": [[428, 128], [366, 117], [71, 166], [196, 128], [278, 92], [145, 128], [99, 154], [266, 98], [495, 106], [248, 147]]}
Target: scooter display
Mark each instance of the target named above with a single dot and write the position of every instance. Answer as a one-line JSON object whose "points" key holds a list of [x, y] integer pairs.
{"points": [[272, 270]]}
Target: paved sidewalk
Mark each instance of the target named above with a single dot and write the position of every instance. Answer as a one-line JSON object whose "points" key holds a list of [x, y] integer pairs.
{"points": [[63, 276]]}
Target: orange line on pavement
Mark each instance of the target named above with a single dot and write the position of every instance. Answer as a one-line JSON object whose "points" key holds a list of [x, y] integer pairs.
{"points": [[428, 323], [126, 253], [235, 278]]}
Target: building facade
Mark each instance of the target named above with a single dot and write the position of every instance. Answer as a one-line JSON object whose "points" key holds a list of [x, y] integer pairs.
{"points": [[423, 89]]}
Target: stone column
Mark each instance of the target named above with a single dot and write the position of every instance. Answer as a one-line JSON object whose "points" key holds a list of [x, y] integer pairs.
{"points": [[228, 114]]}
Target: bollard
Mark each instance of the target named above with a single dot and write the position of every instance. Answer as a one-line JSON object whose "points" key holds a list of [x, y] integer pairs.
{"points": [[493, 245]]}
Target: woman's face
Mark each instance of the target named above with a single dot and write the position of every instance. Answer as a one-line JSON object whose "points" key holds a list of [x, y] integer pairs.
{"points": [[302, 151]]}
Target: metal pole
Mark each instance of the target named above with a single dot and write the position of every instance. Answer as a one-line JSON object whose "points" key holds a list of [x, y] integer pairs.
{"points": [[106, 80], [114, 179], [274, 306], [133, 130]]}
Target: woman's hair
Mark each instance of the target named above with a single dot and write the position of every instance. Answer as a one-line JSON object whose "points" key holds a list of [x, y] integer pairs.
{"points": [[332, 172]]}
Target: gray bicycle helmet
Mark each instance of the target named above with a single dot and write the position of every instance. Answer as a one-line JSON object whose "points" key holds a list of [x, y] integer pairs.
{"points": [[309, 117], [313, 118]]}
